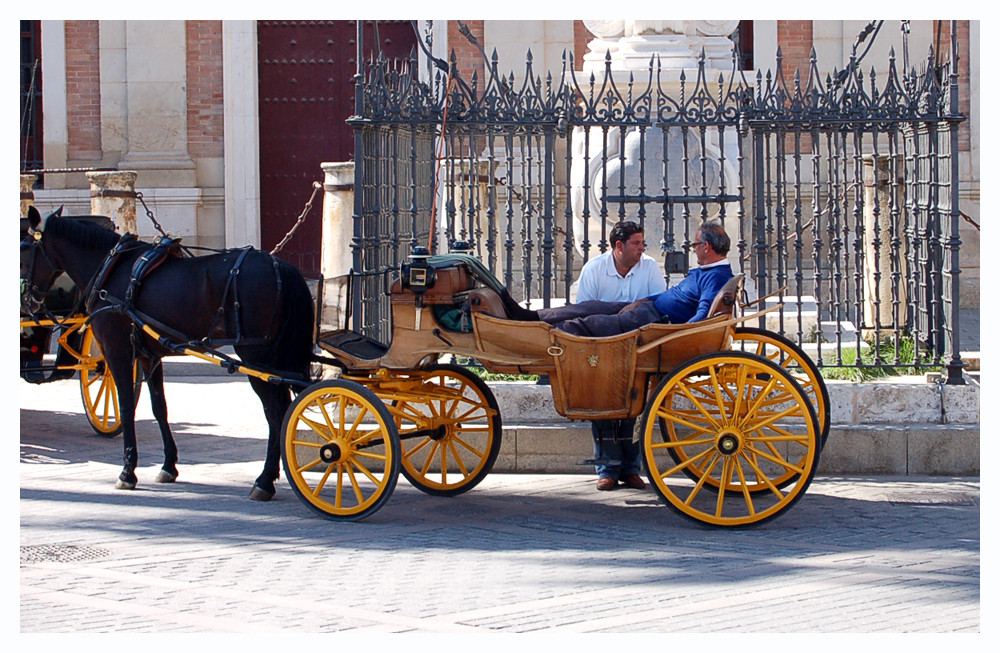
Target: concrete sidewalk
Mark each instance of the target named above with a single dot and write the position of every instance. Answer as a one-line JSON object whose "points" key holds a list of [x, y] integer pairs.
{"points": [[520, 553]]}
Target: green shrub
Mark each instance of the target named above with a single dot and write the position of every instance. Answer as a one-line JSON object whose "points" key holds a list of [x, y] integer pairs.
{"points": [[849, 369]]}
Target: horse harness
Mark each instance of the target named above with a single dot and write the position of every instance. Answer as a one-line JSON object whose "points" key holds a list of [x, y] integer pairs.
{"points": [[163, 249]]}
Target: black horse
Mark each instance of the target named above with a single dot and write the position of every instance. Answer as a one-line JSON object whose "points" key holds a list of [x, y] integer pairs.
{"points": [[242, 297]]}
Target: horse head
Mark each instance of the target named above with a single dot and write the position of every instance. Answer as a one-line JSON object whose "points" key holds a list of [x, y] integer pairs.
{"points": [[38, 271]]}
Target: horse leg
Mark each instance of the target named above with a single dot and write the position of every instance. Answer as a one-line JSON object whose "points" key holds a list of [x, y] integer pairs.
{"points": [[157, 399], [120, 362], [275, 399]]}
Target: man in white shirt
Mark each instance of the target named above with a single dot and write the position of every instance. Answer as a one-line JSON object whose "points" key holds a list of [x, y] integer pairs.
{"points": [[625, 273]]}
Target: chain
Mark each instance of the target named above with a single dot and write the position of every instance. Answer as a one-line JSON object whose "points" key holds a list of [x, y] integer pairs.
{"points": [[970, 221], [316, 188], [149, 214]]}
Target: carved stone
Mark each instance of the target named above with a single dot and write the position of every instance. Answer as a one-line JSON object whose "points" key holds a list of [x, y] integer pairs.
{"points": [[112, 194]]}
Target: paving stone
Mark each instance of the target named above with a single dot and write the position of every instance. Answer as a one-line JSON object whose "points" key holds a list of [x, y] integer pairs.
{"points": [[533, 553]]}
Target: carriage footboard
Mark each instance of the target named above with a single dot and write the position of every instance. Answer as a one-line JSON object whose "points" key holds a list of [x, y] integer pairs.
{"points": [[354, 344]]}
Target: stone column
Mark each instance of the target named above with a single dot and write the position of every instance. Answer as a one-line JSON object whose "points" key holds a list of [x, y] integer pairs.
{"points": [[155, 90], [113, 194], [27, 192], [336, 256], [338, 219], [885, 193]]}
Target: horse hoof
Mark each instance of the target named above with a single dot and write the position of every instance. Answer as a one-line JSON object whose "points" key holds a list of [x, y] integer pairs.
{"points": [[258, 494], [124, 485], [165, 477]]}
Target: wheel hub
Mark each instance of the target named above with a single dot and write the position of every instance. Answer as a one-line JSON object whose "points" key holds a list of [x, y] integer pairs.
{"points": [[728, 442], [331, 453], [438, 432]]}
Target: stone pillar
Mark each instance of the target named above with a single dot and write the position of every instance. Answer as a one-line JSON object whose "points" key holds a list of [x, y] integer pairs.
{"points": [[27, 192], [155, 91], [338, 219], [112, 194], [336, 257], [885, 193]]}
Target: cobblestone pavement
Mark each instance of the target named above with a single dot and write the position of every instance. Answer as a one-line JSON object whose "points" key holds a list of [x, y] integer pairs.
{"points": [[520, 553]]}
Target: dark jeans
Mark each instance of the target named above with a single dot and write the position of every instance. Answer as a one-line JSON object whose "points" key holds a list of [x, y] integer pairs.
{"points": [[613, 440], [599, 319], [612, 437]]}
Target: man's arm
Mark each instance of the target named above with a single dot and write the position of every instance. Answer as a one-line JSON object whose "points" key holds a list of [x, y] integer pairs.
{"points": [[709, 285]]}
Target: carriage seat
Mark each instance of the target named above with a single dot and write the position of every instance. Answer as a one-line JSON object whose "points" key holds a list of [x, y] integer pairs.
{"points": [[461, 286], [726, 299], [486, 300]]}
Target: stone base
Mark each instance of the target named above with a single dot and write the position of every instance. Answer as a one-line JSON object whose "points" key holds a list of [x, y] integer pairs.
{"points": [[890, 449]]}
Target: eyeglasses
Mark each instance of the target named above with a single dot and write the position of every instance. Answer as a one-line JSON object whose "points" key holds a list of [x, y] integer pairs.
{"points": [[697, 243]]}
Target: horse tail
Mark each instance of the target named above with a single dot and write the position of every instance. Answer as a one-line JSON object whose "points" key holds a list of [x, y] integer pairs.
{"points": [[293, 346]]}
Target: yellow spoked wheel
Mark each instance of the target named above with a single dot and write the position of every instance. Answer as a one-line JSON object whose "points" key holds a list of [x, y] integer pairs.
{"points": [[790, 356], [98, 389], [449, 427], [737, 425], [341, 450]]}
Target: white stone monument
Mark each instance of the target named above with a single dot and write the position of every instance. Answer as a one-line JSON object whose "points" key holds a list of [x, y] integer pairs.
{"points": [[623, 51]]}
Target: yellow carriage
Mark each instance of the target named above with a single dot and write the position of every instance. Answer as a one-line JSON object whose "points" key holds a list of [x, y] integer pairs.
{"points": [[732, 419]]}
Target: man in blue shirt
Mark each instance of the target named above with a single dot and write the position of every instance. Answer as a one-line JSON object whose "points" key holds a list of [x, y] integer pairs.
{"points": [[688, 301]]}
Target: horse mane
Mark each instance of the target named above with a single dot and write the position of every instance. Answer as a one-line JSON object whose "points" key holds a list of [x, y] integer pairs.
{"points": [[82, 232]]}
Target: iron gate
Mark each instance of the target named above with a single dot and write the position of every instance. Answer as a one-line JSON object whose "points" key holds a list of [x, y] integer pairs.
{"points": [[841, 192]]}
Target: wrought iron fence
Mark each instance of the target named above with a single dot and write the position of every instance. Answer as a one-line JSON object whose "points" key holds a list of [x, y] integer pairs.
{"points": [[839, 192]]}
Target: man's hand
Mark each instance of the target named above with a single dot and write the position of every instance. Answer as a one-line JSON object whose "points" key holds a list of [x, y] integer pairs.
{"points": [[634, 305]]}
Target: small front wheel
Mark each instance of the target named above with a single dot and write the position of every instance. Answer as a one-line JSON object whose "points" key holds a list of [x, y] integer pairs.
{"points": [[791, 357], [341, 450]]}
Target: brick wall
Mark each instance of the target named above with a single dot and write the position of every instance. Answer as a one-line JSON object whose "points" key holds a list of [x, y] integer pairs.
{"points": [[83, 91], [468, 57], [943, 27], [581, 37], [795, 38], [204, 88]]}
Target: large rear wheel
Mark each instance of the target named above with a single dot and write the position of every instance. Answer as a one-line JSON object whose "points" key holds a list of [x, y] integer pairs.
{"points": [[790, 356], [341, 450], [743, 439]]}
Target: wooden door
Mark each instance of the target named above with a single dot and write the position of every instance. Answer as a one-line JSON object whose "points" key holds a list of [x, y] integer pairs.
{"points": [[306, 89]]}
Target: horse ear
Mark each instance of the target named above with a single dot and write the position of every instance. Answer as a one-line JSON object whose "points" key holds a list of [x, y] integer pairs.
{"points": [[57, 212], [34, 217]]}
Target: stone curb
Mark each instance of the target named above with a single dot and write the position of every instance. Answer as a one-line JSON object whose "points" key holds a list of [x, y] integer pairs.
{"points": [[900, 427], [883, 449], [912, 401]]}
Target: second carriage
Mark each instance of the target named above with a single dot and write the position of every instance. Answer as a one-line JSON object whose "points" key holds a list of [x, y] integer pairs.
{"points": [[733, 419]]}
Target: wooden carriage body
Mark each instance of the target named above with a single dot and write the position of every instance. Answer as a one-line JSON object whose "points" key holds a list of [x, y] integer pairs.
{"points": [[591, 378]]}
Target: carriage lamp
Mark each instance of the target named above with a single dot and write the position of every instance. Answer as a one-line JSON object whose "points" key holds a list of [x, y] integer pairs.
{"points": [[418, 275]]}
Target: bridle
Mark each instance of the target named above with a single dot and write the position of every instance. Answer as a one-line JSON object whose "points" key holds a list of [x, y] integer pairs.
{"points": [[32, 296]]}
